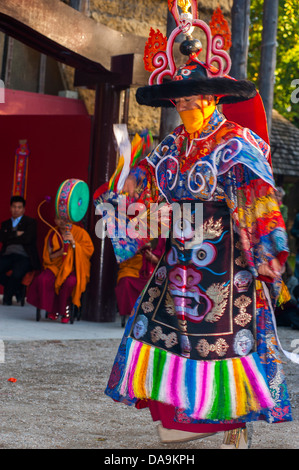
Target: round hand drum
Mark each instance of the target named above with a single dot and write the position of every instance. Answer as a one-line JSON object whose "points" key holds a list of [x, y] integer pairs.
{"points": [[72, 200]]}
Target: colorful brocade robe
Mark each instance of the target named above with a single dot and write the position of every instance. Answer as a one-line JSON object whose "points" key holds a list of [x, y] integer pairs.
{"points": [[201, 335]]}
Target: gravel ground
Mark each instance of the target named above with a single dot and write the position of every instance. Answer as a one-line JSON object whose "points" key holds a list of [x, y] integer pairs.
{"points": [[58, 401]]}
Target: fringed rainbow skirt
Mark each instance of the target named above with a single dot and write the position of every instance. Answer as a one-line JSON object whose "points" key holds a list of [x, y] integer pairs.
{"points": [[220, 390]]}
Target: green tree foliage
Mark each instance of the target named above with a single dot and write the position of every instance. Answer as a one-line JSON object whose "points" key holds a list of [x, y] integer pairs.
{"points": [[287, 66]]}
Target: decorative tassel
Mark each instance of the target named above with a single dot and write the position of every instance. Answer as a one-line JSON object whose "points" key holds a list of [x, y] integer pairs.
{"points": [[141, 371], [284, 295], [215, 390], [20, 176], [139, 146]]}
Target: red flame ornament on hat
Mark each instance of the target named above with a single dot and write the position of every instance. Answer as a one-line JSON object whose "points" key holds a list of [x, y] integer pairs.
{"points": [[161, 62]]}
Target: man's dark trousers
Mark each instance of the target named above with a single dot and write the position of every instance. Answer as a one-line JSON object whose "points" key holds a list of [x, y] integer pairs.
{"points": [[19, 265]]}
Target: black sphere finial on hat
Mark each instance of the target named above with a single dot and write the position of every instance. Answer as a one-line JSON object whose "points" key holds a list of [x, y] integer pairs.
{"points": [[190, 46]]}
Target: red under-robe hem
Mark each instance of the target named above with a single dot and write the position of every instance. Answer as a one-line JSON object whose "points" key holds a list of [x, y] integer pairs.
{"points": [[166, 414]]}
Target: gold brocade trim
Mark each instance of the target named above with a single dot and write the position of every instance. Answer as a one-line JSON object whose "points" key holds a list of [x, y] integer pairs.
{"points": [[243, 318], [218, 293], [169, 304], [148, 306], [241, 261], [220, 347], [170, 339], [211, 229]]}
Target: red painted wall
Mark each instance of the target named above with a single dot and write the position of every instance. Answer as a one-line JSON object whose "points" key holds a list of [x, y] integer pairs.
{"points": [[59, 146]]}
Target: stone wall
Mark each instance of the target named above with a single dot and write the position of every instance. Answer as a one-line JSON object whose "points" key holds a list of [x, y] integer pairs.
{"points": [[136, 17]]}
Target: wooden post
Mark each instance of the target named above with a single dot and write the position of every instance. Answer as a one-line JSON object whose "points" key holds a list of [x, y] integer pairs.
{"points": [[268, 57], [240, 38], [99, 302], [42, 74]]}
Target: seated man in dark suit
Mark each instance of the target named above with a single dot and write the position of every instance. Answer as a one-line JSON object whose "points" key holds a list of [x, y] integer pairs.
{"points": [[19, 252]]}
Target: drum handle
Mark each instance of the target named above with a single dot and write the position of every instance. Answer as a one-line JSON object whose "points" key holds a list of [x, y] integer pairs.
{"points": [[47, 223]]}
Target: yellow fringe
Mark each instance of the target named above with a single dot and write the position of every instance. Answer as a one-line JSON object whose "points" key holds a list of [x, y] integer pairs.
{"points": [[140, 372], [240, 388]]}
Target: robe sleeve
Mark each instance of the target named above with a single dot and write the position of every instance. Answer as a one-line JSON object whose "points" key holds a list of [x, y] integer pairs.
{"points": [[53, 264], [261, 224], [136, 220], [254, 208], [77, 259], [82, 253]]}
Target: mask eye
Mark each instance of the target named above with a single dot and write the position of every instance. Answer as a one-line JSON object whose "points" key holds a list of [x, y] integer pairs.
{"points": [[186, 72], [204, 254], [182, 229]]}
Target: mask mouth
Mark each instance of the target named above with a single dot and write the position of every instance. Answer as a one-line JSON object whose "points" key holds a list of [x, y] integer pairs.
{"points": [[191, 304], [193, 119]]}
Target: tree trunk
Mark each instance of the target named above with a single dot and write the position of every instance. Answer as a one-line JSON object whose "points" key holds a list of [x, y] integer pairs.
{"points": [[240, 38], [268, 57]]}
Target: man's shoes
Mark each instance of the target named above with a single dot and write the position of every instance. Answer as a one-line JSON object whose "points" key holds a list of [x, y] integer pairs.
{"points": [[65, 319], [52, 316], [7, 301], [55, 316], [18, 296]]}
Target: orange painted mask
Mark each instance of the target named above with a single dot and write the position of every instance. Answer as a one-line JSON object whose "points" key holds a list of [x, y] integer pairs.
{"points": [[195, 119]]}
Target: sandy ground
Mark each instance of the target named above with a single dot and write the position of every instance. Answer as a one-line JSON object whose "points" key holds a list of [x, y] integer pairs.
{"points": [[58, 401]]}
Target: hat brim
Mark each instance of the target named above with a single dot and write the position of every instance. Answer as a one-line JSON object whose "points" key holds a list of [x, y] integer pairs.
{"points": [[227, 89]]}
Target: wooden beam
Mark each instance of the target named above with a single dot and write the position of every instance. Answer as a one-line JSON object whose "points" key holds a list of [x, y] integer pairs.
{"points": [[56, 29]]}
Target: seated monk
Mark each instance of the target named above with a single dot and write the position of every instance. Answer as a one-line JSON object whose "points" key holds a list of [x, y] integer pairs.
{"points": [[66, 271]]}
